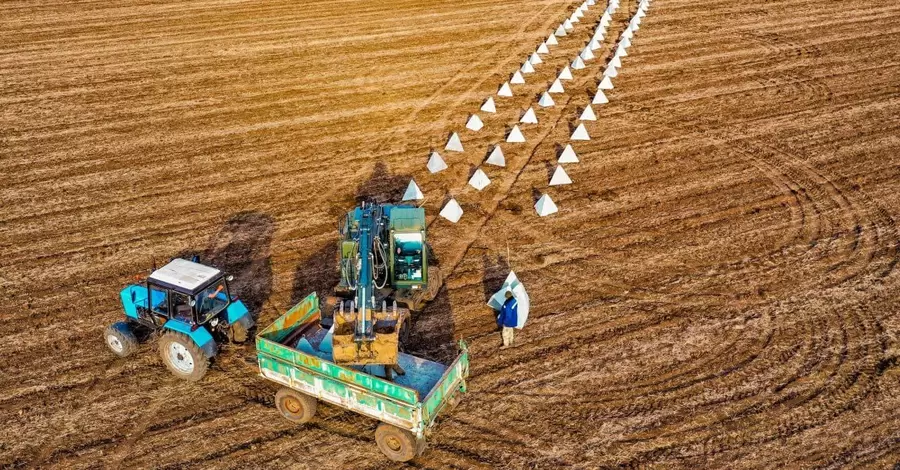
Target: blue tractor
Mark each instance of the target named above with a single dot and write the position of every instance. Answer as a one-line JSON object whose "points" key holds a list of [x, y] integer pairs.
{"points": [[189, 305]]}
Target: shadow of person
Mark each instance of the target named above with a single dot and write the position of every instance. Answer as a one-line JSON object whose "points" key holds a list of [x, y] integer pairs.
{"points": [[242, 248], [495, 273]]}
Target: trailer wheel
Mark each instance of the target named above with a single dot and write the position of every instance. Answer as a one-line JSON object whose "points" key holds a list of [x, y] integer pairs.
{"points": [[182, 356], [398, 444], [295, 406], [120, 339]]}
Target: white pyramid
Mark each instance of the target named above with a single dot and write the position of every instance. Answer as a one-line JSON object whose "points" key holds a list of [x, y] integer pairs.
{"points": [[626, 43], [543, 49], [479, 180], [586, 54], [600, 98], [620, 51], [567, 25], [616, 61], [578, 64], [546, 101], [588, 114], [605, 84], [610, 72], [560, 31], [496, 157], [581, 133], [527, 67], [594, 44], [599, 35], [605, 20], [452, 211], [517, 78], [551, 40], [529, 117], [591, 3], [560, 177], [515, 135], [642, 11], [556, 87], [436, 163], [545, 206], [573, 18], [579, 13], [413, 193], [566, 74], [568, 155], [453, 143], [489, 106], [628, 34], [474, 123], [535, 59], [505, 90]]}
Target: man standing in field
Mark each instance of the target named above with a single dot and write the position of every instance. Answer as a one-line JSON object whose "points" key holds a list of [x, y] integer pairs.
{"points": [[508, 319]]}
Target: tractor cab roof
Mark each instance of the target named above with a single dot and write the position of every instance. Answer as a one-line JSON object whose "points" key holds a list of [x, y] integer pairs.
{"points": [[184, 276]]}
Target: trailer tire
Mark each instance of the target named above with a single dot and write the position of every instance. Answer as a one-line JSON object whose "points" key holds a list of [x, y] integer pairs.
{"points": [[182, 356], [120, 339], [295, 406], [398, 444]]}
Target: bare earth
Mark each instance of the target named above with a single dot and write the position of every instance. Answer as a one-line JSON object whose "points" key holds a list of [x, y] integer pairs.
{"points": [[719, 289]]}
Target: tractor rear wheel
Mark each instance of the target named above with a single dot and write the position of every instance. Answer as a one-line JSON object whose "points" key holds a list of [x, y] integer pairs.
{"points": [[295, 406], [182, 356], [120, 339], [398, 444]]}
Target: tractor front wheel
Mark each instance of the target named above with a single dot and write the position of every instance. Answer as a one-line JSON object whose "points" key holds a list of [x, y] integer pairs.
{"points": [[238, 333], [182, 356], [295, 406], [120, 339], [398, 444]]}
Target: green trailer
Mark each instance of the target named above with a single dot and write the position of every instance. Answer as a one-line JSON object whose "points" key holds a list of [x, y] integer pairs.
{"points": [[295, 352]]}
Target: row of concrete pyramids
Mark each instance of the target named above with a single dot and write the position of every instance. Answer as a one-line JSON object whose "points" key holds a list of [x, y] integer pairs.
{"points": [[479, 180]]}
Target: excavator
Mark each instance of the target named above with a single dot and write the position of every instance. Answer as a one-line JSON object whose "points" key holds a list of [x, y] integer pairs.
{"points": [[384, 276]]}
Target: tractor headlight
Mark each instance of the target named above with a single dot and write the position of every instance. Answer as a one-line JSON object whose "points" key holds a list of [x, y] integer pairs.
{"points": [[214, 322]]}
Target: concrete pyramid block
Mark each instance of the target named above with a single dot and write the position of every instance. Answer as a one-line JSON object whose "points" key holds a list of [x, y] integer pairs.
{"points": [[594, 45], [600, 98], [567, 25], [579, 12], [556, 87], [578, 63], [560, 31], [436, 163], [505, 90], [560, 177], [591, 3], [568, 155], [605, 84], [474, 123], [546, 101], [588, 114], [545, 206], [551, 40], [616, 61], [628, 34], [453, 143], [535, 59], [479, 180], [496, 157], [621, 52], [574, 18], [489, 106], [610, 72], [452, 211], [529, 117], [527, 67], [605, 19], [517, 78], [581, 133], [566, 73], [413, 193], [586, 54], [543, 49], [515, 135], [626, 43]]}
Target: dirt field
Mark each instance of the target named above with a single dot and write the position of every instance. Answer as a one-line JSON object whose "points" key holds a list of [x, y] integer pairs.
{"points": [[719, 289]]}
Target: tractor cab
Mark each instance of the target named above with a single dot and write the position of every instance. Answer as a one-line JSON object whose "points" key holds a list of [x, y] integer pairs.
{"points": [[182, 298]]}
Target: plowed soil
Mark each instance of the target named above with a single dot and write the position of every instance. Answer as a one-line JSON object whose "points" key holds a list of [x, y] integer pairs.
{"points": [[719, 288]]}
